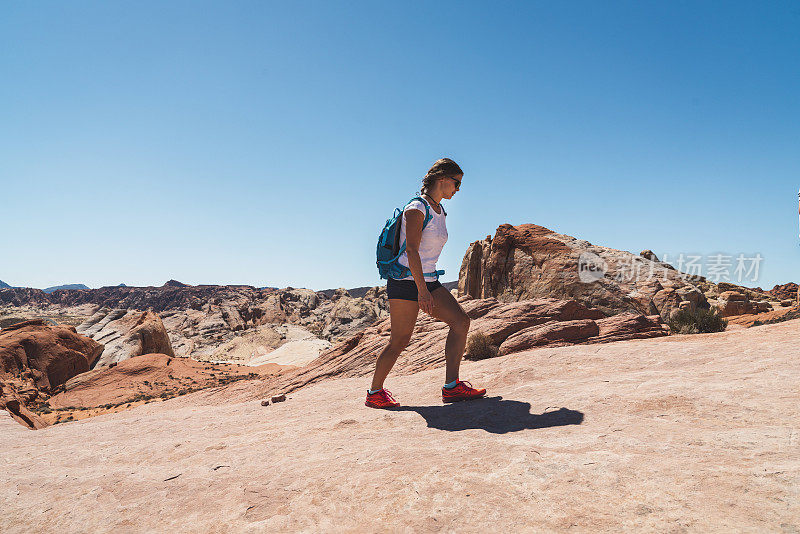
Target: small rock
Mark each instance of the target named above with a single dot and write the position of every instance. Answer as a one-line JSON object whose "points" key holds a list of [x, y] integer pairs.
{"points": [[279, 398], [265, 402]]}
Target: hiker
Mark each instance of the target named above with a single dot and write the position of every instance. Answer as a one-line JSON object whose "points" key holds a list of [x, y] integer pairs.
{"points": [[423, 230]]}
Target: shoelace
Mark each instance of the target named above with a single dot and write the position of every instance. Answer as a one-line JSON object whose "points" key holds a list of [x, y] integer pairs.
{"points": [[386, 394], [466, 383]]}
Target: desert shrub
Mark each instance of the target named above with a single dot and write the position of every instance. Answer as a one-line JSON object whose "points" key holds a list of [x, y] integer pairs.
{"points": [[479, 347], [697, 322]]}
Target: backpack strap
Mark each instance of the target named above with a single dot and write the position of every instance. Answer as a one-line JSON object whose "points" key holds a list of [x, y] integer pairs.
{"points": [[428, 216]]}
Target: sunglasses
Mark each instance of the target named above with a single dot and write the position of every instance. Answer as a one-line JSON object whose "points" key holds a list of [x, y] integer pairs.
{"points": [[457, 182]]}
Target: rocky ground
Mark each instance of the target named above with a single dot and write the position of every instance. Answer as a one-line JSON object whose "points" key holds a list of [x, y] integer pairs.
{"points": [[510, 327], [236, 324], [688, 433]]}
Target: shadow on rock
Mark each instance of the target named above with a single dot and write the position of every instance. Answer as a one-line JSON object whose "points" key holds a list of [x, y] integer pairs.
{"points": [[492, 414]]}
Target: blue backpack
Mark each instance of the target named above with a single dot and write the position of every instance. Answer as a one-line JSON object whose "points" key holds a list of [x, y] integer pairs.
{"points": [[390, 249]]}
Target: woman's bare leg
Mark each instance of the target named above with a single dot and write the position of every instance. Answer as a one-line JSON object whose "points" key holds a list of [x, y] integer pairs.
{"points": [[403, 315], [447, 309]]}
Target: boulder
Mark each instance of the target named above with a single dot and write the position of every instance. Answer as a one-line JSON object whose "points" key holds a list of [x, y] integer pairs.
{"points": [[553, 334], [47, 356], [625, 326], [530, 261], [649, 254], [35, 359], [785, 291], [736, 303], [125, 334]]}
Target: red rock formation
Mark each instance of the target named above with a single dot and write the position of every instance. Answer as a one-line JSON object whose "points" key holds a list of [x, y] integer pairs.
{"points": [[34, 358], [150, 375], [554, 334], [201, 318], [22, 296], [736, 303], [48, 355], [530, 261], [513, 326], [785, 291]]}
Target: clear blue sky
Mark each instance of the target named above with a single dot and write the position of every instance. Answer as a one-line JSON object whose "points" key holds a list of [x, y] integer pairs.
{"points": [[266, 143]]}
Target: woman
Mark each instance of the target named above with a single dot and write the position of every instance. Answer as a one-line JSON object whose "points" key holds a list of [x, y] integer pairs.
{"points": [[417, 291]]}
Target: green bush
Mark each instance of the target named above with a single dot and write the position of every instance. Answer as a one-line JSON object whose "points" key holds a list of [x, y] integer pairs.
{"points": [[479, 347], [697, 322]]}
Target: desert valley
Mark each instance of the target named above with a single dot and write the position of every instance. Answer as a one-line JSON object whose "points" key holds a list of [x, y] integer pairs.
{"points": [[198, 408]]}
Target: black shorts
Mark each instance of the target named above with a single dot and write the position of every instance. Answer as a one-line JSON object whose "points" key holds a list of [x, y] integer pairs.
{"points": [[407, 289]]}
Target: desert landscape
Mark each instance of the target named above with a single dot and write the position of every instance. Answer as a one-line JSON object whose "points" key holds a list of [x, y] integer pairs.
{"points": [[234, 408]]}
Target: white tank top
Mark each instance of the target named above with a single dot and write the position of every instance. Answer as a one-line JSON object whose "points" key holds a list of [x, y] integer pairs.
{"points": [[434, 236]]}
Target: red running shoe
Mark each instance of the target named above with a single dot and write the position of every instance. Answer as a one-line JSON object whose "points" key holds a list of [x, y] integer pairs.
{"points": [[462, 391], [381, 399]]}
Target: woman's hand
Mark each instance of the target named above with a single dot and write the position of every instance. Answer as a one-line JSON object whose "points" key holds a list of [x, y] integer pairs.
{"points": [[426, 302]]}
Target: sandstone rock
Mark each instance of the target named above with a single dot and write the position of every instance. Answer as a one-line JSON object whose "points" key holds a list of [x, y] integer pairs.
{"points": [[649, 254], [18, 411], [666, 300], [552, 333], [126, 334], [21, 296], [679, 434], [736, 303], [278, 398], [625, 326], [199, 319], [561, 322], [36, 357], [785, 291], [47, 355], [750, 319], [150, 376], [733, 296], [787, 302], [750, 293], [529, 261]]}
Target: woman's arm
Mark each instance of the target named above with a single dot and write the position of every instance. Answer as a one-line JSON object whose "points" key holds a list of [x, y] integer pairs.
{"points": [[414, 222]]}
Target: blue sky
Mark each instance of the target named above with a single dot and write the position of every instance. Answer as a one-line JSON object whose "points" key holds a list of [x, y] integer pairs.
{"points": [[265, 143]]}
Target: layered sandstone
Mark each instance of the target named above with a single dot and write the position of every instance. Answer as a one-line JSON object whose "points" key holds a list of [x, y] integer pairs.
{"points": [[35, 359], [513, 327], [785, 291], [530, 261], [203, 320], [735, 303], [673, 434], [148, 376], [125, 334]]}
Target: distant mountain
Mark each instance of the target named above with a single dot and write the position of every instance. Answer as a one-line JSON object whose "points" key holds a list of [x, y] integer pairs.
{"points": [[3, 284], [174, 283], [66, 286]]}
